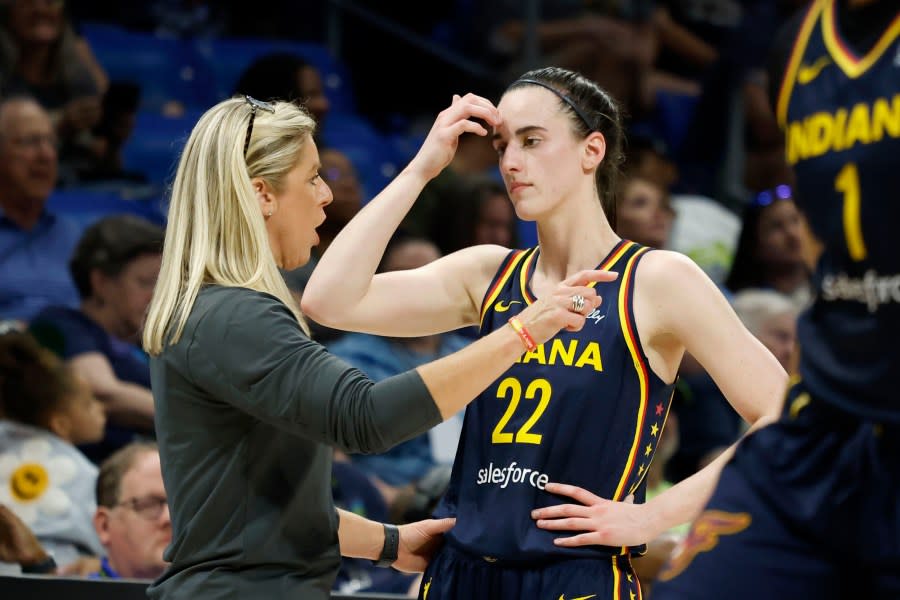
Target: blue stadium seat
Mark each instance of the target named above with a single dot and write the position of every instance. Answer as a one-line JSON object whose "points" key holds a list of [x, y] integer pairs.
{"points": [[373, 156], [166, 69], [225, 59], [673, 116], [156, 143], [86, 206]]}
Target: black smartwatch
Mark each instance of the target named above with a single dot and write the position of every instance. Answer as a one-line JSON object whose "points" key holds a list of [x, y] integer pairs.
{"points": [[391, 546]]}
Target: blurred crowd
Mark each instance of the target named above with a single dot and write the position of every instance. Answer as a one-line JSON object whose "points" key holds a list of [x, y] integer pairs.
{"points": [[89, 135]]}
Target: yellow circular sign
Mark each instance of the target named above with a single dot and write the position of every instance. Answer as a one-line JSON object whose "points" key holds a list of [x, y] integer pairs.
{"points": [[28, 482]]}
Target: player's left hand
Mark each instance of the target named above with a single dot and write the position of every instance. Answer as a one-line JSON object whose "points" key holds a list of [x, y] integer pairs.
{"points": [[602, 521], [418, 542]]}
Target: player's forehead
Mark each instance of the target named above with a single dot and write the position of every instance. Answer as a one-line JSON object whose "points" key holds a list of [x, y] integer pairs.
{"points": [[529, 106]]}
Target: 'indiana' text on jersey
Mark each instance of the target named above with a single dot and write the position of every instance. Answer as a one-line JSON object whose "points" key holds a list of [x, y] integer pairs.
{"points": [[841, 116], [584, 408]]}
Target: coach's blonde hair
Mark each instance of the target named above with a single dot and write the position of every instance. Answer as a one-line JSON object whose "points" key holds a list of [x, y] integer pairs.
{"points": [[216, 232]]}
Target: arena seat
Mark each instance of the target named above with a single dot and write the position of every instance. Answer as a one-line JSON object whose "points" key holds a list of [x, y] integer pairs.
{"points": [[168, 70]]}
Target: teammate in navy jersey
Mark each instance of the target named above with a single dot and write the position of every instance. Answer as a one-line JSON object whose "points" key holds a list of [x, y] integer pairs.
{"points": [[810, 507], [586, 407]]}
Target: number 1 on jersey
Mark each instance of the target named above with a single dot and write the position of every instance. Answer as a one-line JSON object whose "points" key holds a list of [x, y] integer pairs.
{"points": [[847, 182]]}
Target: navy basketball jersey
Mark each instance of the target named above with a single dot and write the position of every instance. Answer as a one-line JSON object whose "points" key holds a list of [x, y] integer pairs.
{"points": [[841, 116], [583, 408]]}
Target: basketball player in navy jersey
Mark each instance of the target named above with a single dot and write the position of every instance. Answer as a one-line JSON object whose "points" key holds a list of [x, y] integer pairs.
{"points": [[586, 408], [810, 507]]}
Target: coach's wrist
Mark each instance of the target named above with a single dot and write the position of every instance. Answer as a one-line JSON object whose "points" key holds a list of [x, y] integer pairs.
{"points": [[391, 548]]}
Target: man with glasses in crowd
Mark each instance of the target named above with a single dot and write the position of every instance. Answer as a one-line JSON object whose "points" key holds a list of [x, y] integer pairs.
{"points": [[132, 518], [35, 245]]}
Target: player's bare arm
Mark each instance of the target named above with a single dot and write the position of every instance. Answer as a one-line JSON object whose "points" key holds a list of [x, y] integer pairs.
{"points": [[677, 309], [344, 291]]}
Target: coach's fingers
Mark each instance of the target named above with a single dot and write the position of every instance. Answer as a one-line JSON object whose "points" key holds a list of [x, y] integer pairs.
{"points": [[586, 277]]}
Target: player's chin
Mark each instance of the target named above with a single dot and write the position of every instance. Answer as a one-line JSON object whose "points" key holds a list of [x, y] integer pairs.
{"points": [[524, 212]]}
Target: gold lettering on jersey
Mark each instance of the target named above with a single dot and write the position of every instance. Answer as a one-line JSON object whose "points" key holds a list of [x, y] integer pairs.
{"points": [[567, 355], [823, 132], [574, 354]]}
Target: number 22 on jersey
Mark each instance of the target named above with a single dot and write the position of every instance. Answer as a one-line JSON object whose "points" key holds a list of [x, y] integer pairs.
{"points": [[511, 389]]}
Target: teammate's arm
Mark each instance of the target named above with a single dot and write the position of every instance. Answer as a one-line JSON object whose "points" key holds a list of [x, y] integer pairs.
{"points": [[344, 291]]}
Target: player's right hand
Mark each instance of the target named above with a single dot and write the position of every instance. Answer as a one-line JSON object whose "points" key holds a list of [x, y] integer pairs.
{"points": [[440, 145]]}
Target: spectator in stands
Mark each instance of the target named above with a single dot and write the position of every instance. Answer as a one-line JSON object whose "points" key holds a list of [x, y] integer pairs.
{"points": [[114, 267], [19, 546], [132, 518], [340, 175], [484, 215], [770, 250], [650, 157], [772, 318], [44, 479], [722, 46], [643, 211], [475, 158], [103, 161], [613, 43], [35, 245], [286, 76], [40, 55]]}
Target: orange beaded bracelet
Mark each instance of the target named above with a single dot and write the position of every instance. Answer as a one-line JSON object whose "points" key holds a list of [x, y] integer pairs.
{"points": [[526, 338]]}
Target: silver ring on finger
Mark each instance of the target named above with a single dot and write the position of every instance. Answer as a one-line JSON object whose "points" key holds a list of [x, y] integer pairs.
{"points": [[577, 303]]}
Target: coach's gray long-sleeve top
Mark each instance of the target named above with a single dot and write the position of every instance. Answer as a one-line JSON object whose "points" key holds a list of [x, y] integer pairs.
{"points": [[247, 411]]}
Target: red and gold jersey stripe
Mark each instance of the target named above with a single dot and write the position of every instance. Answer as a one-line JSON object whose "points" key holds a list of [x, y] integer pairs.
{"points": [[790, 73], [846, 59], [508, 270], [617, 578], [525, 275], [640, 366], [610, 262]]}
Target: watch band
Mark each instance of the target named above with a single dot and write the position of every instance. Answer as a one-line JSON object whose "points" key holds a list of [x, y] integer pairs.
{"points": [[391, 546]]}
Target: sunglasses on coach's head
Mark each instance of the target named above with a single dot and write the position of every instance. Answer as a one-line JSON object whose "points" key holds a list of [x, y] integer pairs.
{"points": [[255, 105], [779, 192]]}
